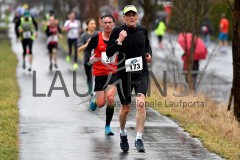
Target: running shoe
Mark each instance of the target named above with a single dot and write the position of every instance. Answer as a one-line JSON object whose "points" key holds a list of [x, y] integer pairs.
{"points": [[56, 66], [75, 66], [139, 145], [50, 67], [108, 131], [124, 143], [68, 59], [24, 65], [93, 105]]}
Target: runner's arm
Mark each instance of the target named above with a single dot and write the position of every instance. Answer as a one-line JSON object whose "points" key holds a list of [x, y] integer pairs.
{"points": [[82, 43], [112, 46], [91, 45], [148, 48], [65, 26], [59, 29], [48, 33]]}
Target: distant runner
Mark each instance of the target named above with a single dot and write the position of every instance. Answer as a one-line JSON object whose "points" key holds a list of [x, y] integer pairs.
{"points": [[27, 34], [72, 26], [224, 28], [160, 31], [46, 18], [16, 21], [52, 32]]}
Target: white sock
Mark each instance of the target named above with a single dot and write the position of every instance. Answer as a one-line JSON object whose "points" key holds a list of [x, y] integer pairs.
{"points": [[139, 135], [123, 132]]}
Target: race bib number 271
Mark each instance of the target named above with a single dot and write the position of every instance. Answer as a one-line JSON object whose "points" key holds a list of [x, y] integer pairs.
{"points": [[107, 59]]}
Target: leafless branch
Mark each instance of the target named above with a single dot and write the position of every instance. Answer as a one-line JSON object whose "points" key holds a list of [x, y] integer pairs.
{"points": [[229, 3]]}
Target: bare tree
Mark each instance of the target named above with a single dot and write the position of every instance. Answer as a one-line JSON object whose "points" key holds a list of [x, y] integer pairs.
{"points": [[150, 8], [187, 18]]}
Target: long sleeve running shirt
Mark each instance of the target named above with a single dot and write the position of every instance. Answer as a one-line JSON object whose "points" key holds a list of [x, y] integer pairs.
{"points": [[136, 44]]}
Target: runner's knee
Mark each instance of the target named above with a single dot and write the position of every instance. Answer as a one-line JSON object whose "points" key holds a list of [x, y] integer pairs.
{"points": [[54, 51], [110, 99], [100, 103], [141, 106], [125, 110], [140, 102]]}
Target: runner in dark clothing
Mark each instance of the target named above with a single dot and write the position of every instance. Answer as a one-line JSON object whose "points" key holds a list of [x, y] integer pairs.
{"points": [[16, 21], [132, 43], [84, 39]]}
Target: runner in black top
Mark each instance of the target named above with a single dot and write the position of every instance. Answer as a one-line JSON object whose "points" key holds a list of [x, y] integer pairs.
{"points": [[16, 21], [132, 43]]}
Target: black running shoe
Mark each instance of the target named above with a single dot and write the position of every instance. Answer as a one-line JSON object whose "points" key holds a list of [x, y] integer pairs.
{"points": [[24, 65], [124, 143], [139, 145], [56, 66], [50, 67]]}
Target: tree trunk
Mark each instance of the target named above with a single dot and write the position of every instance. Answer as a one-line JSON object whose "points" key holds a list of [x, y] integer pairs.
{"points": [[146, 20], [150, 9], [236, 58]]}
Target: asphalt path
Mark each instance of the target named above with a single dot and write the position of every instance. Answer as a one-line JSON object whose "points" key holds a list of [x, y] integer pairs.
{"points": [[58, 127]]}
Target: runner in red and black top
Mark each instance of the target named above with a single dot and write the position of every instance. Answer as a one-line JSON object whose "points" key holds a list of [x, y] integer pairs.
{"points": [[52, 32], [104, 70]]}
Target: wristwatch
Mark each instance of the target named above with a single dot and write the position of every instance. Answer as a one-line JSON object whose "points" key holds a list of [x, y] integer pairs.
{"points": [[118, 43]]}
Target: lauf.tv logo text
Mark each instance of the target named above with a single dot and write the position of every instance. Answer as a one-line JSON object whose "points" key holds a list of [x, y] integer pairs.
{"points": [[161, 88]]}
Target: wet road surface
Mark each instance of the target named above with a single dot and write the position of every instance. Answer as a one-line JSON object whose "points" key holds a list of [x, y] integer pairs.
{"points": [[57, 127]]}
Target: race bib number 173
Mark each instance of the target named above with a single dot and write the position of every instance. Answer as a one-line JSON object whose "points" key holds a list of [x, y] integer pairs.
{"points": [[134, 64]]}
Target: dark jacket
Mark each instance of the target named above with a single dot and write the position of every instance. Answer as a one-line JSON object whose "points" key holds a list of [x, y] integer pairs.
{"points": [[136, 44]]}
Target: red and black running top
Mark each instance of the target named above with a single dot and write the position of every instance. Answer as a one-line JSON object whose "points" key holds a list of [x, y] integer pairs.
{"points": [[99, 45]]}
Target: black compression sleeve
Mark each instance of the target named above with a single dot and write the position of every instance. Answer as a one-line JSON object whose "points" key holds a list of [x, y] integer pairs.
{"points": [[112, 46], [91, 45], [148, 48]]}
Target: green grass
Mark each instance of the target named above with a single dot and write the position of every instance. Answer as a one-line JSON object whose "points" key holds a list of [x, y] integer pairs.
{"points": [[3, 29], [9, 94], [63, 42]]}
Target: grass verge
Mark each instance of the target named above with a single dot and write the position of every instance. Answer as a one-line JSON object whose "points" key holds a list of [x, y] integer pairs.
{"points": [[207, 120], [9, 94]]}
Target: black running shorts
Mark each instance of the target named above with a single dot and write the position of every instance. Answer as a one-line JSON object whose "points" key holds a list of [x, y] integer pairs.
{"points": [[51, 47], [100, 81], [130, 81]]}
